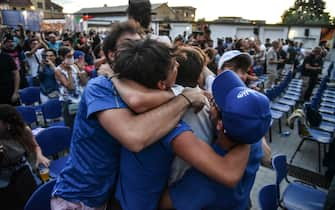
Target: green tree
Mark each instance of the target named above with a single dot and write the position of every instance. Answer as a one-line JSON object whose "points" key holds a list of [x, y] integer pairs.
{"points": [[307, 12]]}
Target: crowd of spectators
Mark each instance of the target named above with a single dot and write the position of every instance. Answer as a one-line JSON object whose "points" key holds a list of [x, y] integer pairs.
{"points": [[119, 96]]}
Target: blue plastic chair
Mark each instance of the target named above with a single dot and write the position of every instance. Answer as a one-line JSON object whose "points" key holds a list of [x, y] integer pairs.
{"points": [[52, 112], [30, 95], [317, 136], [297, 195], [53, 140], [267, 197], [40, 199], [28, 114]]}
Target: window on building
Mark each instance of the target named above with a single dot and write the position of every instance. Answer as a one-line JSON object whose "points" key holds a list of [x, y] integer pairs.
{"points": [[186, 14], [39, 5]]}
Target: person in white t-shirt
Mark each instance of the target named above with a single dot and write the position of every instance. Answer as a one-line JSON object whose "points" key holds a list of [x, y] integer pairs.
{"points": [[34, 56]]}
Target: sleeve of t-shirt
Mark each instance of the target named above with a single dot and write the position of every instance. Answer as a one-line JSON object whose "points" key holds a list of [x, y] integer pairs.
{"points": [[100, 95], [180, 128]]}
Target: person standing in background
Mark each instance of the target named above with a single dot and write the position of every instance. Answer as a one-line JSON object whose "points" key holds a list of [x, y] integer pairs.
{"points": [[9, 78]]}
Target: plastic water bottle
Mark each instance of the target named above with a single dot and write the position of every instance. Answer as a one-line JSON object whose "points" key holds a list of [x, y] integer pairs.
{"points": [[40, 118], [285, 134]]}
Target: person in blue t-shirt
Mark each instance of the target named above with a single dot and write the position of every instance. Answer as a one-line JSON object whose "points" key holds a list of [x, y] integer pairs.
{"points": [[143, 175], [53, 43], [104, 123], [196, 191]]}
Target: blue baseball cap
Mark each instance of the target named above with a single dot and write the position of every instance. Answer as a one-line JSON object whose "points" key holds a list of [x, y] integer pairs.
{"points": [[77, 54], [245, 112]]}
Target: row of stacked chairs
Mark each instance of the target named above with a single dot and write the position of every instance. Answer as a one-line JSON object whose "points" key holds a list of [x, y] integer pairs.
{"points": [[323, 101], [284, 97], [31, 108]]}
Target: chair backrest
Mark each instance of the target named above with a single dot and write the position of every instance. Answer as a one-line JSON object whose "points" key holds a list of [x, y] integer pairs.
{"points": [[54, 139], [267, 197], [52, 109], [27, 113], [279, 164], [30, 95], [40, 199]]}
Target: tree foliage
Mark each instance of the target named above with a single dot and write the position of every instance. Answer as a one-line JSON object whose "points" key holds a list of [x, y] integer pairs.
{"points": [[307, 12]]}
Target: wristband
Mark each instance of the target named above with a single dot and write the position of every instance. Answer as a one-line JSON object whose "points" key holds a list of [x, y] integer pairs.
{"points": [[187, 99]]}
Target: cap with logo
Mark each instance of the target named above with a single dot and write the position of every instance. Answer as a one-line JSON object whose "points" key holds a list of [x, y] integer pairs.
{"points": [[245, 112], [77, 54]]}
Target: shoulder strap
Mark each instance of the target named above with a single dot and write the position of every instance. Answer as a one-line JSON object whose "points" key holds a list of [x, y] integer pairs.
{"points": [[36, 58]]}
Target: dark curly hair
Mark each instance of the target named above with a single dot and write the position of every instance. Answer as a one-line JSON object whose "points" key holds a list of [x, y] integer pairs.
{"points": [[17, 129], [145, 61]]}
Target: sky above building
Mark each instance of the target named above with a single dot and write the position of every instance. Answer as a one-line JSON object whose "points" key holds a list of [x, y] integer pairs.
{"points": [[269, 10]]}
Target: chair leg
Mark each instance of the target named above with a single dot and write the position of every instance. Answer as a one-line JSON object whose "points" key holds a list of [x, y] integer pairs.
{"points": [[279, 124], [298, 148], [270, 134], [319, 147]]}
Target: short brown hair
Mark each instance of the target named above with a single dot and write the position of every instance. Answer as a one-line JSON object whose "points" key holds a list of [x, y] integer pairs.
{"points": [[242, 62], [190, 66]]}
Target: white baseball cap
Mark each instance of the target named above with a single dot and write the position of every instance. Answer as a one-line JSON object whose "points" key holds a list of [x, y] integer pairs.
{"points": [[227, 56]]}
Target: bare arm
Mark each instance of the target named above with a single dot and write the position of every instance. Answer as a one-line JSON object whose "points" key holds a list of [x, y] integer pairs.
{"points": [[40, 158], [135, 132], [227, 170], [308, 66], [63, 80], [266, 151], [32, 51], [139, 98], [16, 81], [44, 44], [98, 62], [15, 95], [165, 202]]}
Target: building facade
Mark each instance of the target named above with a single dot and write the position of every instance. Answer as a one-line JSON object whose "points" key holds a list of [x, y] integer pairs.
{"points": [[50, 9], [186, 13]]}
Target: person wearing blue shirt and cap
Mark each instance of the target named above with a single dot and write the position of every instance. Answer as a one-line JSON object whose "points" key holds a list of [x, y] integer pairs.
{"points": [[235, 125]]}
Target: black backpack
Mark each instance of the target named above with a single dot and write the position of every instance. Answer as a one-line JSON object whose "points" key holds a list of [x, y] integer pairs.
{"points": [[313, 117]]}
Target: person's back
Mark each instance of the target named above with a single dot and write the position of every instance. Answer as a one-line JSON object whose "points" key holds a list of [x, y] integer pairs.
{"points": [[143, 175], [89, 178], [208, 194], [292, 54]]}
